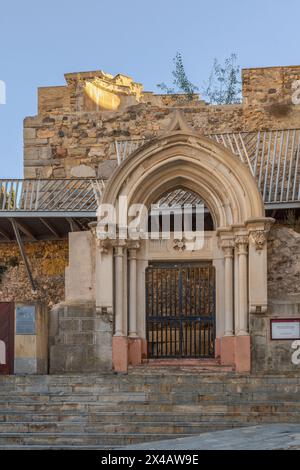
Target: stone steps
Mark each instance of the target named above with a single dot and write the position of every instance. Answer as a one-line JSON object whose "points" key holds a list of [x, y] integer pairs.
{"points": [[147, 404], [79, 409], [74, 439], [175, 427]]}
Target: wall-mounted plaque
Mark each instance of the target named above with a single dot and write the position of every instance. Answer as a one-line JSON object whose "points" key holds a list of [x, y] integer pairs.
{"points": [[25, 320], [287, 329]]}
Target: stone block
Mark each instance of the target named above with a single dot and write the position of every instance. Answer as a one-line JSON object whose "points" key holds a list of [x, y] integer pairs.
{"points": [[88, 325], [83, 171], [29, 133], [97, 152], [45, 133], [82, 338], [69, 325], [106, 168], [59, 173]]}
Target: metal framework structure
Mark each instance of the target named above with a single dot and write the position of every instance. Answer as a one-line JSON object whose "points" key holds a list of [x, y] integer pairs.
{"points": [[273, 158], [45, 209], [50, 196], [35, 209]]}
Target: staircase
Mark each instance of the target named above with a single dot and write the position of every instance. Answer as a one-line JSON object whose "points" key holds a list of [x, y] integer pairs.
{"points": [[150, 403]]}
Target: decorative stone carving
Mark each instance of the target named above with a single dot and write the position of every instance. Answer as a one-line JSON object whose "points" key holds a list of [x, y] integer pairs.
{"points": [[259, 237], [179, 245], [227, 247], [242, 242], [104, 245]]}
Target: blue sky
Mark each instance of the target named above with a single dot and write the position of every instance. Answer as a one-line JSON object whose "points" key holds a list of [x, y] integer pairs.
{"points": [[40, 41]]}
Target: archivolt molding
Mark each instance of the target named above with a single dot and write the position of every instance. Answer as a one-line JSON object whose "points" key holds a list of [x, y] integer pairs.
{"points": [[186, 159]]}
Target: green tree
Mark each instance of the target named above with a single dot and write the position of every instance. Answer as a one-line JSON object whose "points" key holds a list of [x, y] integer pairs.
{"points": [[223, 87], [224, 84], [181, 83]]}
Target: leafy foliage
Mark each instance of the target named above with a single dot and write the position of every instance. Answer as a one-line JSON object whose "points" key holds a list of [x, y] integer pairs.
{"points": [[5, 201], [224, 85], [180, 80]]}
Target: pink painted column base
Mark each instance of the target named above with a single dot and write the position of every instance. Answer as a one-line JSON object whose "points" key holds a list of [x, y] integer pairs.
{"points": [[242, 354], [120, 353], [135, 352], [217, 348], [228, 351], [144, 348]]}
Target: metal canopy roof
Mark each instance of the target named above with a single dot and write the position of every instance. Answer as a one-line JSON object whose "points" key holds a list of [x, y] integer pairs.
{"points": [[273, 158], [50, 208], [47, 208]]}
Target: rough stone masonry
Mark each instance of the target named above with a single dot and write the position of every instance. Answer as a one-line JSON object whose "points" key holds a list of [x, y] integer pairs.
{"points": [[74, 134]]}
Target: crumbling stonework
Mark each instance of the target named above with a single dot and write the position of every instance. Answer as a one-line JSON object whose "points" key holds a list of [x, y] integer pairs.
{"points": [[283, 263], [284, 302], [80, 339], [74, 136], [77, 125], [47, 259]]}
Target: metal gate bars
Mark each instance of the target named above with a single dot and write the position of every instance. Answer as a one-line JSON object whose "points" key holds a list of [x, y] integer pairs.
{"points": [[180, 310]]}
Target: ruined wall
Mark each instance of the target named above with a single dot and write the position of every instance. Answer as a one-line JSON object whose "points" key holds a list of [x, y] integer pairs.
{"points": [[47, 259], [77, 125], [268, 97], [284, 302]]}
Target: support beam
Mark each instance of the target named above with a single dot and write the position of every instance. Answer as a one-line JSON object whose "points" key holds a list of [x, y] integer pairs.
{"points": [[24, 229], [23, 254], [50, 227], [74, 225], [5, 235]]}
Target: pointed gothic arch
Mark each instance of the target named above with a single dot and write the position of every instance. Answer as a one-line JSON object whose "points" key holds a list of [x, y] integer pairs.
{"points": [[185, 158]]}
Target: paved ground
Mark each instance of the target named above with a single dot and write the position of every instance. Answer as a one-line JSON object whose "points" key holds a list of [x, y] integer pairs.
{"points": [[267, 437]]}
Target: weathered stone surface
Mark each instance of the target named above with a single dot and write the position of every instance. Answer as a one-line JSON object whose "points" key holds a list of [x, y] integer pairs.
{"points": [[72, 119], [83, 171], [47, 259], [76, 346], [284, 302], [106, 168], [29, 133], [283, 262]]}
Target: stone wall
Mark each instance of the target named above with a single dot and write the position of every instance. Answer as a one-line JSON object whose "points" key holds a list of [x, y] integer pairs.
{"points": [[77, 125], [47, 259], [80, 339], [284, 302], [267, 97]]}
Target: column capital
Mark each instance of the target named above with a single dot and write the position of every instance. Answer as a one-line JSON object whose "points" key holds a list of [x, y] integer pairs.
{"points": [[119, 246], [259, 237], [104, 245], [241, 243], [133, 245], [227, 246]]}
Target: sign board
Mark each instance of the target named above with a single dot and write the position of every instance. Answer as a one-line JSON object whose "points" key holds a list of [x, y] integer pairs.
{"points": [[25, 320], [285, 329]]}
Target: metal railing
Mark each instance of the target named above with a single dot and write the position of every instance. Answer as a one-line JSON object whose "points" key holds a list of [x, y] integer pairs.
{"points": [[273, 158], [50, 195]]}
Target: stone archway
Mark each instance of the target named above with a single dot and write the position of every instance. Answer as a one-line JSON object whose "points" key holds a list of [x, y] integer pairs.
{"points": [[183, 158]]}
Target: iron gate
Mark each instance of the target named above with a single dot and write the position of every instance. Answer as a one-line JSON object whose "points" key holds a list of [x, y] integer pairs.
{"points": [[180, 310]]}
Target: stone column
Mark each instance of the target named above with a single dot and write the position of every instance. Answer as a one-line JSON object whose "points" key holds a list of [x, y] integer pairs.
{"points": [[228, 246], [120, 340], [236, 291], [135, 343], [242, 244], [133, 290], [119, 283], [242, 354], [227, 341]]}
